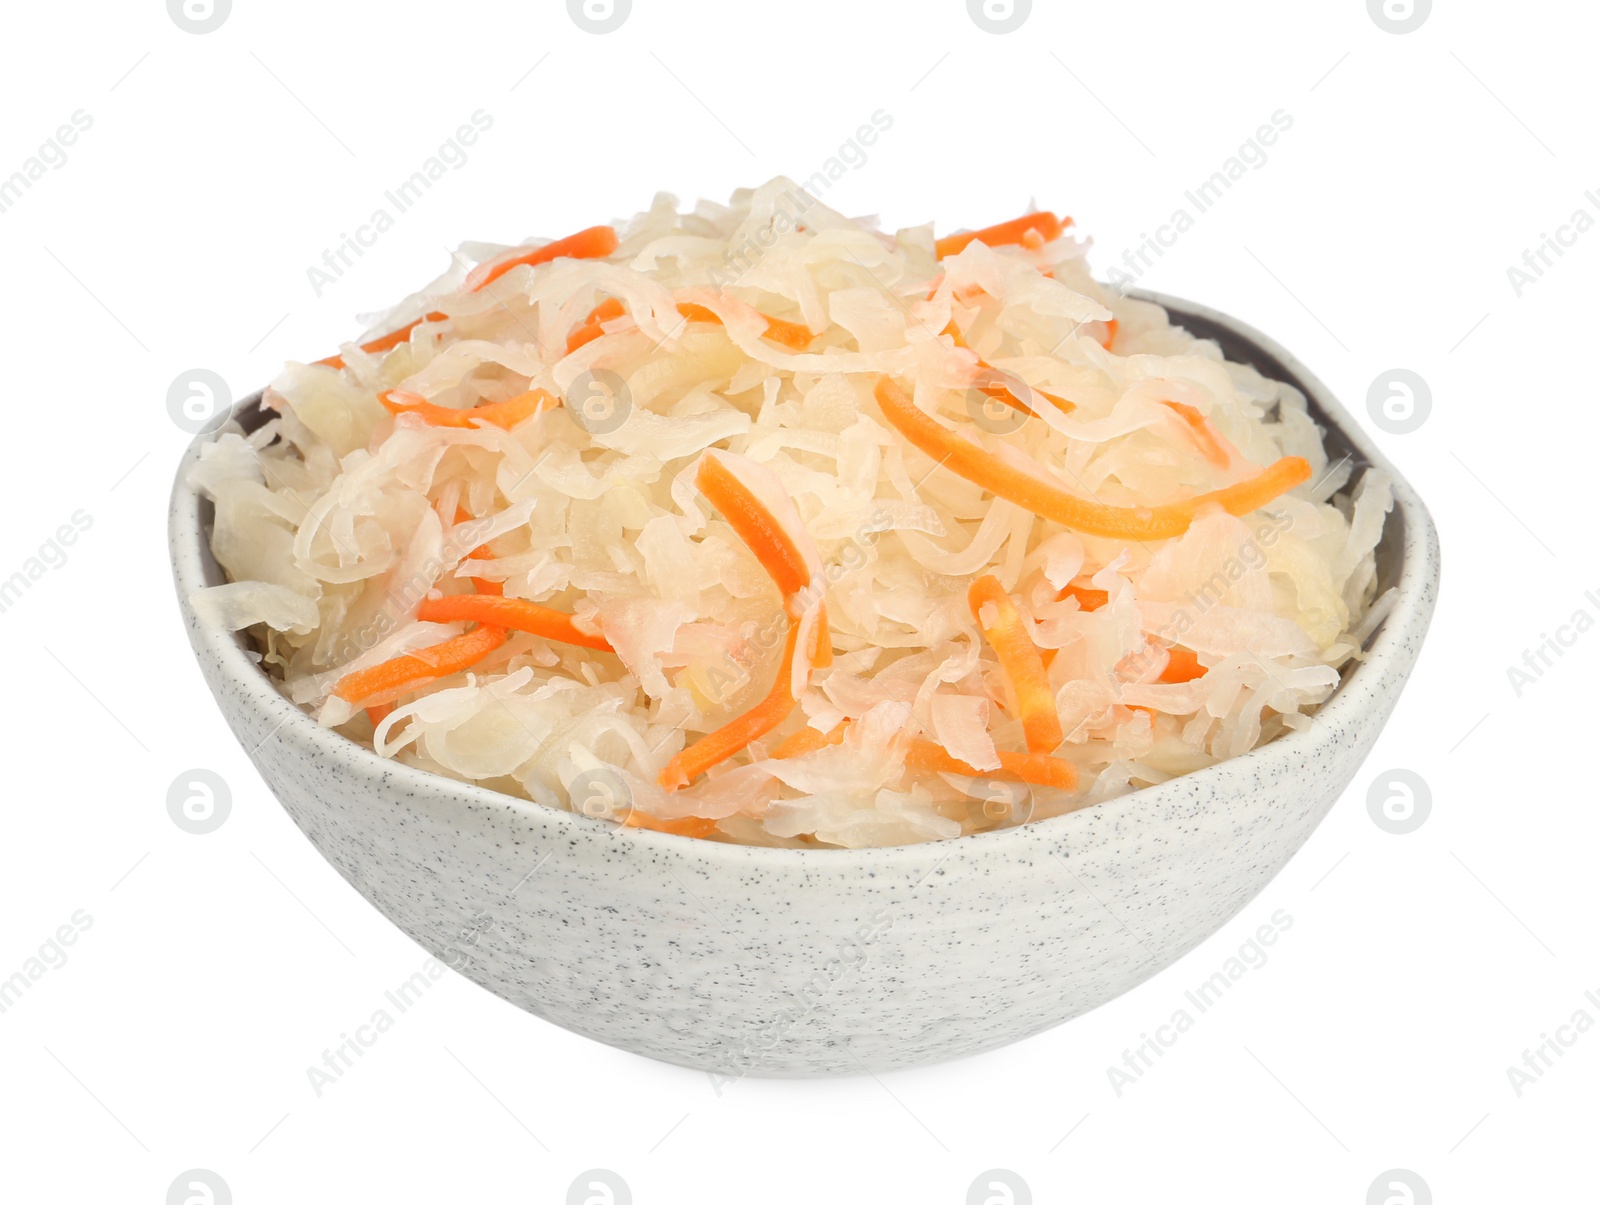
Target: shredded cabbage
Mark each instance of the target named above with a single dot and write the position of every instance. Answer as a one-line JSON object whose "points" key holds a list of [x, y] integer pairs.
{"points": [[338, 519]]}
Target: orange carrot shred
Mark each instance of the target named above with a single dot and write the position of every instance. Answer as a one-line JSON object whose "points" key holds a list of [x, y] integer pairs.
{"points": [[591, 328], [1206, 436], [505, 414], [517, 614], [781, 557], [1044, 226], [388, 681], [809, 740], [593, 243], [755, 525], [968, 460], [790, 334], [695, 312], [484, 585], [596, 242], [392, 340], [1019, 658], [687, 826], [1182, 666], [377, 715], [737, 733], [1010, 394], [1037, 768], [1088, 599]]}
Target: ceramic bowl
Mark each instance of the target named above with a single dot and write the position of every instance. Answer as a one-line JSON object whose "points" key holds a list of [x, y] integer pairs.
{"points": [[779, 962]]}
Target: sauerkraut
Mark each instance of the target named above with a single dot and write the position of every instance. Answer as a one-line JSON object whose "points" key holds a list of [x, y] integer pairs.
{"points": [[757, 524]]}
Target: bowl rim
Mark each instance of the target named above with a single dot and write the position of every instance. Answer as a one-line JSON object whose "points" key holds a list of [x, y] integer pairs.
{"points": [[190, 555]]}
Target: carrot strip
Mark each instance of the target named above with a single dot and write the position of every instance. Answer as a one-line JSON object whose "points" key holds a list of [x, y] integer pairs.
{"points": [[1037, 768], [968, 460], [1044, 227], [1010, 395], [790, 334], [392, 340], [697, 313], [377, 715], [755, 525], [809, 740], [782, 558], [688, 826], [779, 555], [1088, 599], [1182, 666], [593, 243], [388, 681], [1206, 436], [517, 614], [1111, 333], [1019, 658], [591, 328], [596, 242], [737, 733], [484, 585], [505, 414]]}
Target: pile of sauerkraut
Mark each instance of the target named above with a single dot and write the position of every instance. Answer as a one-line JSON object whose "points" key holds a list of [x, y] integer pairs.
{"points": [[354, 505]]}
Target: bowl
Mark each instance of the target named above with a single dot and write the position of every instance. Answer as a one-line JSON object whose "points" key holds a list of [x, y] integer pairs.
{"points": [[779, 962]]}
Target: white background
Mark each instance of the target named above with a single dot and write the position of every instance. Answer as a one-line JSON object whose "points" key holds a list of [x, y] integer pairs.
{"points": [[177, 235]]}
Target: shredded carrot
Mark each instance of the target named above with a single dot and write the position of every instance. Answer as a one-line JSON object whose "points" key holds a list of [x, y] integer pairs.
{"points": [[1182, 666], [388, 681], [593, 243], [592, 327], [697, 313], [1111, 332], [764, 535], [484, 585], [505, 414], [377, 715], [1044, 227], [793, 335], [781, 557], [517, 614], [790, 334], [1019, 658], [733, 736], [968, 460], [1088, 599], [1011, 395], [1206, 436], [809, 740], [688, 826], [596, 242], [1037, 768], [755, 525], [392, 340]]}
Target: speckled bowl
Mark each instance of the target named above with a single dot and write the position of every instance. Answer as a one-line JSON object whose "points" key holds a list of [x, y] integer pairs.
{"points": [[775, 962]]}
